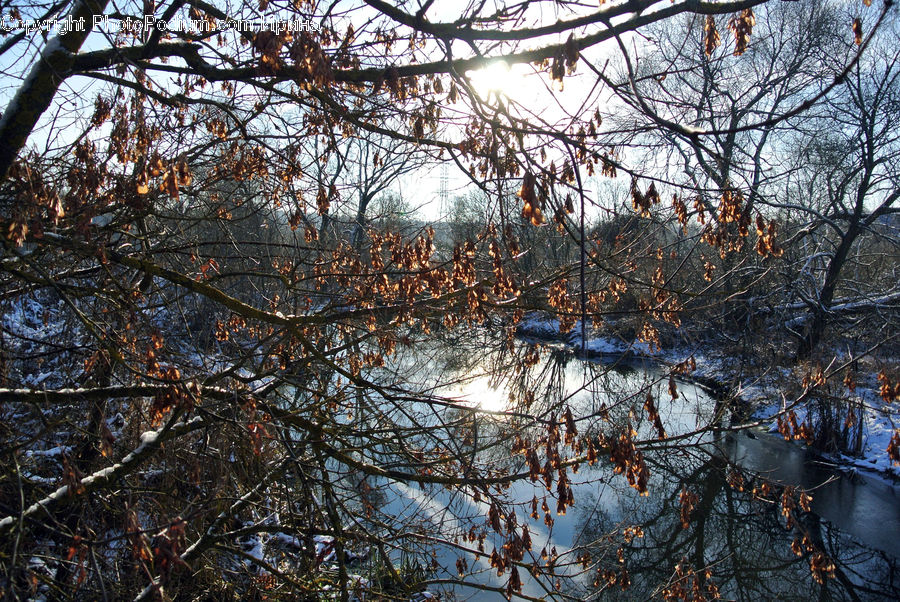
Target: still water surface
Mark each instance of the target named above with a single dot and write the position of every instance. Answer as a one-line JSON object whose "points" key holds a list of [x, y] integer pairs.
{"points": [[739, 537]]}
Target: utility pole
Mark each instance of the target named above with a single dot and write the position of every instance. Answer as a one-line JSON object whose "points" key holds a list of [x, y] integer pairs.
{"points": [[444, 193]]}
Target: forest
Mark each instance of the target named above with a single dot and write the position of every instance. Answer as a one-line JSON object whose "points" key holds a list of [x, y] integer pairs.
{"points": [[410, 300]]}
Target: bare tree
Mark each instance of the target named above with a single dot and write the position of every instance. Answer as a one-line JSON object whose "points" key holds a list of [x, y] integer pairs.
{"points": [[846, 183], [210, 391]]}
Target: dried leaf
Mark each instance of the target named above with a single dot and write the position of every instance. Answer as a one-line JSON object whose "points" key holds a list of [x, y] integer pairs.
{"points": [[742, 27], [711, 38]]}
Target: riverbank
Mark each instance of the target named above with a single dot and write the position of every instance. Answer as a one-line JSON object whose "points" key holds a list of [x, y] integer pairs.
{"points": [[767, 390]]}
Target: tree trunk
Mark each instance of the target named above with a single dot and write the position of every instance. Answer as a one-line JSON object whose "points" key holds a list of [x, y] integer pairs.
{"points": [[36, 93], [819, 319], [360, 226]]}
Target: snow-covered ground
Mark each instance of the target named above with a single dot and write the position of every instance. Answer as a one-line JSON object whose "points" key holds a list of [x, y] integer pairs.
{"points": [[541, 326], [765, 392]]}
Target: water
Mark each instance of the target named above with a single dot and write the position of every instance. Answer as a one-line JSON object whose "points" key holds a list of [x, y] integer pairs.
{"points": [[866, 507], [735, 540]]}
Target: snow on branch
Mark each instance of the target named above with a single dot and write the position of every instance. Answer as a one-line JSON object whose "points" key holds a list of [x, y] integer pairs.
{"points": [[150, 442]]}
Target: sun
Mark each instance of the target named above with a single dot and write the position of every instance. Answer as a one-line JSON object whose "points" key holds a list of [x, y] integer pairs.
{"points": [[496, 78], [481, 393]]}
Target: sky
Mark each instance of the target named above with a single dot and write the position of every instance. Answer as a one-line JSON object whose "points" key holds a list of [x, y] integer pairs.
{"points": [[498, 81]]}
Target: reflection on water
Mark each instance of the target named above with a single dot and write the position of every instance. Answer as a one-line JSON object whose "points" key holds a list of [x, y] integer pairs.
{"points": [[741, 537], [866, 507], [715, 517]]}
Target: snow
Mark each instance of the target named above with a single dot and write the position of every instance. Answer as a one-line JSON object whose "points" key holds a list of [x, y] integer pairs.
{"points": [[53, 451], [541, 326], [846, 305], [538, 325], [288, 540], [39, 566], [148, 439], [35, 380], [765, 394], [49, 481], [324, 548], [255, 547], [102, 220]]}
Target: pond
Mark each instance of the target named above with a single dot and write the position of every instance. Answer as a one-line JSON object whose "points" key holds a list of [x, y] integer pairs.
{"points": [[722, 512]]}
